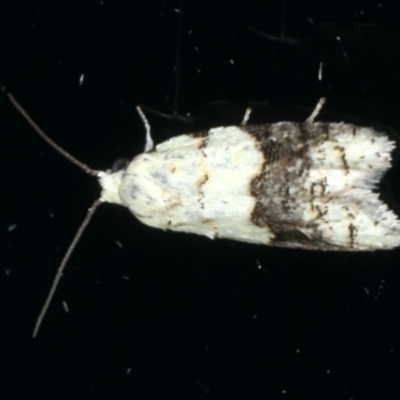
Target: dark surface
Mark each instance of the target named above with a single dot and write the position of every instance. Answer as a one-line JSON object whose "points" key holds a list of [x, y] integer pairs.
{"points": [[172, 315]]}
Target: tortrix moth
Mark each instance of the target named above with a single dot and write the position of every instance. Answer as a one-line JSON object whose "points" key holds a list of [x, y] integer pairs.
{"points": [[304, 185]]}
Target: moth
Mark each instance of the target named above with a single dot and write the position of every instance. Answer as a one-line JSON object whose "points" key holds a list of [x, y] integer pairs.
{"points": [[309, 185], [306, 185]]}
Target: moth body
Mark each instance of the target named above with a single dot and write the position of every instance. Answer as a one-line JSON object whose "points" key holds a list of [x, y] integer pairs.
{"points": [[305, 185]]}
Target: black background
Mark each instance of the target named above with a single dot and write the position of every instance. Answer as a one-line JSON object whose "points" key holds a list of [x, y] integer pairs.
{"points": [[156, 315]]}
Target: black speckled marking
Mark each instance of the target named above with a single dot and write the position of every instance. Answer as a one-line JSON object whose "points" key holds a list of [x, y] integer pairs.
{"points": [[343, 158], [353, 233], [280, 190]]}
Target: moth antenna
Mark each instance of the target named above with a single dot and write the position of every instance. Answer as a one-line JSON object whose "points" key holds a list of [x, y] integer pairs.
{"points": [[63, 263], [149, 140], [316, 110], [51, 142]]}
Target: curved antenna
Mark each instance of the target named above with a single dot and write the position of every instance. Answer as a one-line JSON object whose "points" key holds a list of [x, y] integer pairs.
{"points": [[63, 263], [51, 142]]}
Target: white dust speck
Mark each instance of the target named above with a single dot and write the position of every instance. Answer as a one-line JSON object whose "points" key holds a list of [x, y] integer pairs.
{"points": [[232, 61], [11, 227], [128, 371], [65, 305], [367, 291], [119, 244], [81, 79]]}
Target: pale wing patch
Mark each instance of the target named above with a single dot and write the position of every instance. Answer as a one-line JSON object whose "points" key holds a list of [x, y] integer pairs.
{"points": [[198, 184], [347, 160], [357, 220]]}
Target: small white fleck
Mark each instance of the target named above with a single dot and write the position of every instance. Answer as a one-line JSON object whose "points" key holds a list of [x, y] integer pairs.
{"points": [[246, 116], [232, 61], [320, 71], [328, 371], [188, 114], [310, 20], [259, 266], [391, 351], [51, 215], [196, 48], [7, 272], [380, 5], [284, 391], [65, 305], [81, 79], [361, 12], [338, 38], [366, 290], [128, 371], [119, 244], [11, 227], [177, 10], [190, 31], [126, 278], [255, 316], [298, 351], [198, 70]]}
